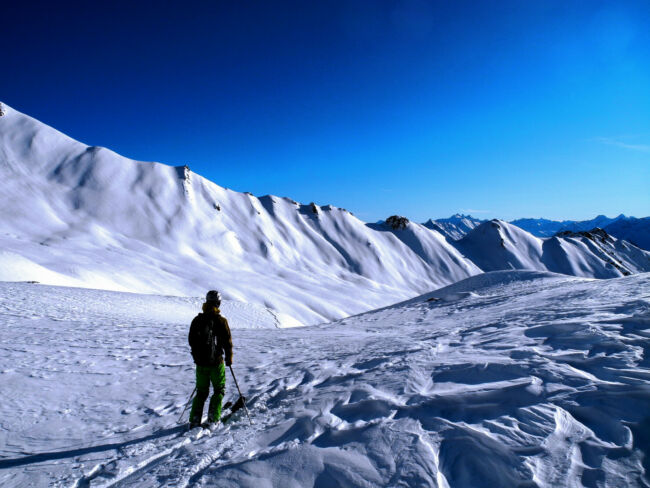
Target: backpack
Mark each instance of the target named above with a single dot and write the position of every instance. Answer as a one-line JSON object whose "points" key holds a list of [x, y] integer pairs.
{"points": [[203, 341]]}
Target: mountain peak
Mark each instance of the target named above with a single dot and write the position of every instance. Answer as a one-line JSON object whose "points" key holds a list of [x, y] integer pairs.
{"points": [[397, 222], [595, 233], [460, 216], [454, 227]]}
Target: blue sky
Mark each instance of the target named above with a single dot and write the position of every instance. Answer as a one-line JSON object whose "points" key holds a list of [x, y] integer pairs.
{"points": [[421, 108]]}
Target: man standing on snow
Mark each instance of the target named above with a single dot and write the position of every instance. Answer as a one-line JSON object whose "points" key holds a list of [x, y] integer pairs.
{"points": [[209, 337]]}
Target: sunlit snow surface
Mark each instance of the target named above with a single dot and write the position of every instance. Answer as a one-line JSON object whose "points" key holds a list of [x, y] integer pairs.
{"points": [[77, 215], [508, 379]]}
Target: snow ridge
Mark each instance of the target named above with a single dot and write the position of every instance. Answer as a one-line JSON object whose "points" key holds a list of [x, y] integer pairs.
{"points": [[454, 227], [78, 215], [636, 231]]}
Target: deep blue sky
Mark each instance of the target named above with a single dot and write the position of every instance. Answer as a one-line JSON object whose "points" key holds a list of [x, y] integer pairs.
{"points": [[422, 108]]}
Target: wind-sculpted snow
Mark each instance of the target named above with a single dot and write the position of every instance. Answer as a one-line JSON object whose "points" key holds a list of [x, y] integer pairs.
{"points": [[505, 379]]}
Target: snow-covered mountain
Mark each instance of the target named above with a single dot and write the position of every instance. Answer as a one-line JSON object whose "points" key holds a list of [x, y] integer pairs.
{"points": [[506, 378], [86, 216], [548, 228], [600, 221], [636, 231], [541, 227], [454, 227], [498, 245]]}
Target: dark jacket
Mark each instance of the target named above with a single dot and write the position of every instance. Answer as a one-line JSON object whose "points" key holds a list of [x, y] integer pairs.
{"points": [[209, 336]]}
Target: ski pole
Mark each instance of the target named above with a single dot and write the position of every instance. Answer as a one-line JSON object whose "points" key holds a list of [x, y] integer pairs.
{"points": [[240, 395], [186, 405]]}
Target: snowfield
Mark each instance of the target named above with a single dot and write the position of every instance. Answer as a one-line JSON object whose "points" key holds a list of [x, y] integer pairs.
{"points": [[510, 378], [508, 375]]}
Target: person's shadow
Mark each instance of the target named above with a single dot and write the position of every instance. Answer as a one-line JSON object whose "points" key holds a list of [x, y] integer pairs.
{"points": [[49, 456]]}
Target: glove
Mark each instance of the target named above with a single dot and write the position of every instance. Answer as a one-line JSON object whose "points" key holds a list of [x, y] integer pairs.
{"points": [[229, 362]]}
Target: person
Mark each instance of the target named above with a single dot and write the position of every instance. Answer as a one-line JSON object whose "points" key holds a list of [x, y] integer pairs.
{"points": [[209, 337]]}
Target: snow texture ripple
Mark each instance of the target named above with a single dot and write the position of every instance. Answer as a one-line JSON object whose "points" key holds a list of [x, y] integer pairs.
{"points": [[517, 378]]}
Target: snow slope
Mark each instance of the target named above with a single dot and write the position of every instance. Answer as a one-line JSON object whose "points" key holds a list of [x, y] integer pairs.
{"points": [[548, 228], [85, 216], [497, 245], [636, 231], [454, 227], [511, 378]]}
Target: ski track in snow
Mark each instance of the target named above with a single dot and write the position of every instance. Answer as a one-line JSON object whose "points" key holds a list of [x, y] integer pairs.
{"points": [[508, 379]]}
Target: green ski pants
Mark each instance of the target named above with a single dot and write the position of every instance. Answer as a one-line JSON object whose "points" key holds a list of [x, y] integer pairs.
{"points": [[204, 376]]}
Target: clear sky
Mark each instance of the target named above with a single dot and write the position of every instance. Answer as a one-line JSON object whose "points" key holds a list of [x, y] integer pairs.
{"points": [[421, 108]]}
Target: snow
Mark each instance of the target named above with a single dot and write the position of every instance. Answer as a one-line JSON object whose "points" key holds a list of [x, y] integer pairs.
{"points": [[454, 227], [502, 371], [84, 216], [510, 378], [636, 231], [497, 245]]}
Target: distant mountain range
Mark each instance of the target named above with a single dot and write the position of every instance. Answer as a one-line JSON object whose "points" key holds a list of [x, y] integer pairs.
{"points": [[632, 229], [78, 215], [455, 226]]}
